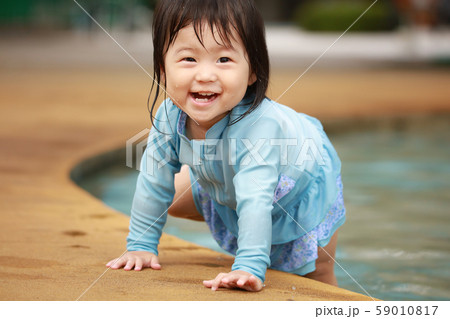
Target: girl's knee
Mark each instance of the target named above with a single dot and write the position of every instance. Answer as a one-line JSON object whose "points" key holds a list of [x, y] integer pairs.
{"points": [[325, 263], [324, 267], [324, 273], [183, 205]]}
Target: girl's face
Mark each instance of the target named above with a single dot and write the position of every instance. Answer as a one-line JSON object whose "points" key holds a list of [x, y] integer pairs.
{"points": [[206, 82]]}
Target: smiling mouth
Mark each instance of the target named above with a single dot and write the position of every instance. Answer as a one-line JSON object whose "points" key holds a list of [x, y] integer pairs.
{"points": [[203, 97]]}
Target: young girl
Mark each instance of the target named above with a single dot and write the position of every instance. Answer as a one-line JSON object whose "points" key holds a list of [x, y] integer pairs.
{"points": [[264, 178]]}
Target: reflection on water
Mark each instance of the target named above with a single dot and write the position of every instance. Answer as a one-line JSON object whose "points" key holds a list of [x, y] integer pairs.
{"points": [[396, 241]]}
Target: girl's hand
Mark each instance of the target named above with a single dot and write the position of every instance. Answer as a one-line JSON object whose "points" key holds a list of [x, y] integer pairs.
{"points": [[136, 260], [235, 279]]}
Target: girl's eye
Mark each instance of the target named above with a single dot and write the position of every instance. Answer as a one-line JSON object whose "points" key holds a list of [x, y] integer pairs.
{"points": [[189, 59], [224, 60]]}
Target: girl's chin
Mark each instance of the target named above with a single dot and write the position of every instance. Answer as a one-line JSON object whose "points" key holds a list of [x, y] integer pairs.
{"points": [[202, 121], [206, 121]]}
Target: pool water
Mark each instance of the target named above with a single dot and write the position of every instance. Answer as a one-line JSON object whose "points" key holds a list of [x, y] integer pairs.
{"points": [[395, 243]]}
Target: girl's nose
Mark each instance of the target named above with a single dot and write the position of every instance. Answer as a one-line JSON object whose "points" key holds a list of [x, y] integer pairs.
{"points": [[205, 73]]}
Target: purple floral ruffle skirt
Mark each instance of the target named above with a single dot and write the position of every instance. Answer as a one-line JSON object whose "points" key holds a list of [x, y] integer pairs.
{"points": [[297, 256]]}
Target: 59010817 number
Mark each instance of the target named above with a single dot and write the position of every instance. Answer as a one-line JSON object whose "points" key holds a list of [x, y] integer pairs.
{"points": [[406, 310]]}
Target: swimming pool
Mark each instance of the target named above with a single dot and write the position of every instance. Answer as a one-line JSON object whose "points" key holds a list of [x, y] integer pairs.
{"points": [[396, 240]]}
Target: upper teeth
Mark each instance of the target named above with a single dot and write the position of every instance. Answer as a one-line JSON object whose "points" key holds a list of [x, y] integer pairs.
{"points": [[206, 94]]}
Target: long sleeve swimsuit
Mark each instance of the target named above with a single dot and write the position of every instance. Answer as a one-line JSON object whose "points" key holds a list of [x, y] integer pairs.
{"points": [[272, 176]]}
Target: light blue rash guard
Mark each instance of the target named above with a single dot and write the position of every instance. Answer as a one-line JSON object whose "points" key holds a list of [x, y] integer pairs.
{"points": [[272, 176]]}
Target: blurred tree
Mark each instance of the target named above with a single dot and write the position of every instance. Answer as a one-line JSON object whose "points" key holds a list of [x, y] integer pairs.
{"points": [[15, 12], [419, 12], [135, 14], [338, 15], [278, 11], [38, 14], [443, 12]]}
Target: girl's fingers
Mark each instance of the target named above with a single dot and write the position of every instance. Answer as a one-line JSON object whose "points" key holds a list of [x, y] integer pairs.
{"points": [[234, 280], [231, 279], [110, 262], [154, 263], [216, 281], [207, 283], [253, 284], [138, 265], [116, 263], [129, 265], [136, 260]]}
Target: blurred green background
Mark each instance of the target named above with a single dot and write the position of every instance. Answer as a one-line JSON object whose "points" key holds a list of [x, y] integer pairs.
{"points": [[318, 15]]}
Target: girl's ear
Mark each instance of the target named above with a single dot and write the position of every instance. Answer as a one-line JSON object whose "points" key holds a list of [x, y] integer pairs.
{"points": [[251, 79]]}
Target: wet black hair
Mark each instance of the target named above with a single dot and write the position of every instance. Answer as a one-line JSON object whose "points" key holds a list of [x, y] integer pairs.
{"points": [[225, 16]]}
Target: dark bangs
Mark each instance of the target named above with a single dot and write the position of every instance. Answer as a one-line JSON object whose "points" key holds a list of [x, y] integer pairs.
{"points": [[225, 16]]}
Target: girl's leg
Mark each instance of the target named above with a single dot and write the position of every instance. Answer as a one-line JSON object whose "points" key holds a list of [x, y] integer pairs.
{"points": [[183, 205], [325, 263]]}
